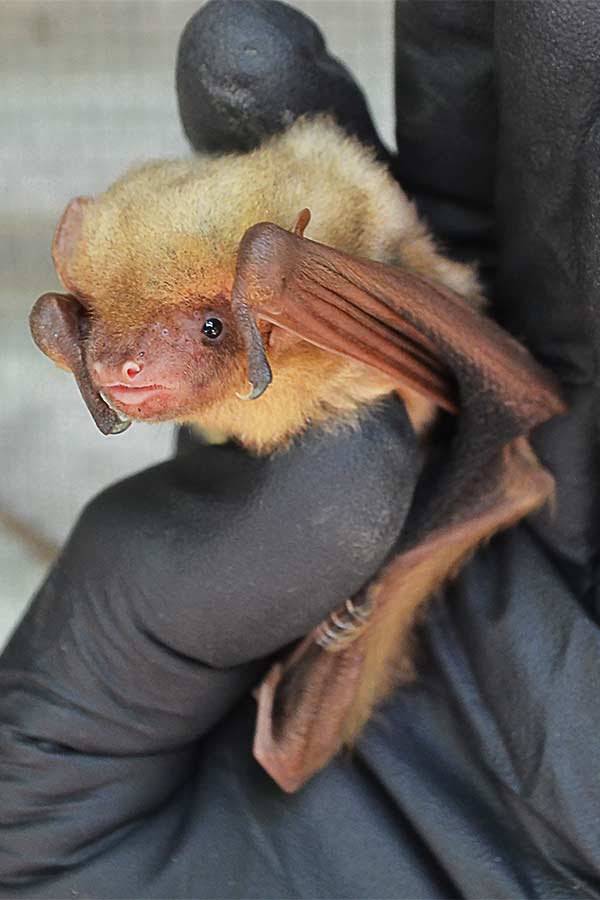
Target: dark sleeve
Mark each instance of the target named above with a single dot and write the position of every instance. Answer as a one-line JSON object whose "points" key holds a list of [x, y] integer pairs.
{"points": [[492, 757]]}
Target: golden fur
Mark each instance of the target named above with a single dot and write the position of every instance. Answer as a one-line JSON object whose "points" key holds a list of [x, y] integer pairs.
{"points": [[167, 234]]}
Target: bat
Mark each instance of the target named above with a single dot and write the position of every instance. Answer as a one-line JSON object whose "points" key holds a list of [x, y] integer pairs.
{"points": [[256, 295]]}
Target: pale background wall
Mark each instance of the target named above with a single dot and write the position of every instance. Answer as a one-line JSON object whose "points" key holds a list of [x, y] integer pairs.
{"points": [[86, 89]]}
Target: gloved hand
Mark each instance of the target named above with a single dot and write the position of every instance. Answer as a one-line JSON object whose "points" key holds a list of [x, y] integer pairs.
{"points": [[481, 778], [173, 592]]}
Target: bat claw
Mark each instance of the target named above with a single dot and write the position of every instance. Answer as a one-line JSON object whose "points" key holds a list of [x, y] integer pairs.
{"points": [[254, 393], [116, 424], [120, 426]]}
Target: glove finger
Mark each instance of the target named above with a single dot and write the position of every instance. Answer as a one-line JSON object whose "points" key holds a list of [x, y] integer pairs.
{"points": [[247, 70]]}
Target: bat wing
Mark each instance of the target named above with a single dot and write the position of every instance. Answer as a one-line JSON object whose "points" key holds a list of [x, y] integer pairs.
{"points": [[431, 340], [418, 332]]}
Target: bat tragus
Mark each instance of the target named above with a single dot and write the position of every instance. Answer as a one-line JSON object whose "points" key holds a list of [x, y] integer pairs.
{"points": [[195, 296]]}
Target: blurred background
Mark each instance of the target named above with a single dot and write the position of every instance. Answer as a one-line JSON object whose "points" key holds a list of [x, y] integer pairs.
{"points": [[86, 90]]}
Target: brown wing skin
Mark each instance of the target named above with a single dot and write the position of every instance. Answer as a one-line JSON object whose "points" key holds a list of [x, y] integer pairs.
{"points": [[419, 332], [432, 341]]}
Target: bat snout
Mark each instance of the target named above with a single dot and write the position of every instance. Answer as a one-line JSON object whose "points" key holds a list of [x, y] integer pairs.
{"points": [[136, 387], [179, 362], [157, 356]]}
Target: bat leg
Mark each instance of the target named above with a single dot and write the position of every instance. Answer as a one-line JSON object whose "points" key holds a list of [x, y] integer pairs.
{"points": [[296, 735], [322, 695]]}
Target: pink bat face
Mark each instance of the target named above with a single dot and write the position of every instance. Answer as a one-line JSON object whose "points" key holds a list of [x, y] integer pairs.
{"points": [[176, 364]]}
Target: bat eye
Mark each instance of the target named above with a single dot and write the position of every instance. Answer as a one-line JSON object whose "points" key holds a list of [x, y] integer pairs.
{"points": [[212, 328]]}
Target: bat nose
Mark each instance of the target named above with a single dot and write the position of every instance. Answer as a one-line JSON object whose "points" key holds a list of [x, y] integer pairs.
{"points": [[130, 370], [121, 372]]}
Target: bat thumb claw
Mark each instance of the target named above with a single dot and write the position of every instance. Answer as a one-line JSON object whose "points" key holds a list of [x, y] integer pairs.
{"points": [[120, 426], [302, 221], [254, 393]]}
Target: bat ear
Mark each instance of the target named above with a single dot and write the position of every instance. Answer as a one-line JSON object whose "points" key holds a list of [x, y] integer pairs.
{"points": [[56, 323], [66, 239]]}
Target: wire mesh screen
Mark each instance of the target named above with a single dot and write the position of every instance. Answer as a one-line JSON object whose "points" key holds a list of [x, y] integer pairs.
{"points": [[86, 90]]}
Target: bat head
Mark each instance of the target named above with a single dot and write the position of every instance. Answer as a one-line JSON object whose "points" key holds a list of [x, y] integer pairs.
{"points": [[150, 359]]}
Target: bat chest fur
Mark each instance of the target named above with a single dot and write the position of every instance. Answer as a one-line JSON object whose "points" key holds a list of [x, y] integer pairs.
{"points": [[292, 404]]}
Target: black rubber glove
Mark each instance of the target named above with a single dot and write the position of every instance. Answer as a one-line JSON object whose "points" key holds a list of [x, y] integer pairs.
{"points": [[247, 70], [481, 779], [174, 590]]}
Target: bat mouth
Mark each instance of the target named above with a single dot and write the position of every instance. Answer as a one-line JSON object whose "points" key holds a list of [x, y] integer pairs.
{"points": [[129, 395], [147, 402]]}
